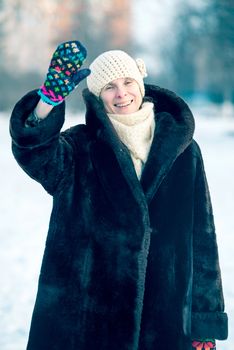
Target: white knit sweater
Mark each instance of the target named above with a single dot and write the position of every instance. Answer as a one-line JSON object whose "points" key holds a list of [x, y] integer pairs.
{"points": [[136, 131]]}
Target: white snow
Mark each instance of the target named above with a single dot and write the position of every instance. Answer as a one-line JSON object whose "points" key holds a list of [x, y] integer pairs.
{"points": [[25, 209]]}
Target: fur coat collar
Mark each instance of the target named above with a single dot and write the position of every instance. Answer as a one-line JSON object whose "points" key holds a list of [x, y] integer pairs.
{"points": [[174, 132]]}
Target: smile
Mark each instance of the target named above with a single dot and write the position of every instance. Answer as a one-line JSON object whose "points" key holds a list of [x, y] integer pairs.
{"points": [[122, 105]]}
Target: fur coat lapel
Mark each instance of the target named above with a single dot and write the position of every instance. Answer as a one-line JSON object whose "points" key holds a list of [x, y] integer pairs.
{"points": [[173, 133], [109, 155]]}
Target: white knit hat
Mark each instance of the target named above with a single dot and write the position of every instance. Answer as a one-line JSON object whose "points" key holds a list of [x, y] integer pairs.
{"points": [[112, 65]]}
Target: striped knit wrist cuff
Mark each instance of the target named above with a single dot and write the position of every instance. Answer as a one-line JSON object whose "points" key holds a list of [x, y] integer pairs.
{"points": [[45, 99]]}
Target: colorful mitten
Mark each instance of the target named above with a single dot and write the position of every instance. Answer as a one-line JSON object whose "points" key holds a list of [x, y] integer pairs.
{"points": [[64, 72], [203, 344]]}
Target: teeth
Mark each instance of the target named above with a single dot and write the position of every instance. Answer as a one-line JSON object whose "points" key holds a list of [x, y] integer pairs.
{"points": [[123, 105]]}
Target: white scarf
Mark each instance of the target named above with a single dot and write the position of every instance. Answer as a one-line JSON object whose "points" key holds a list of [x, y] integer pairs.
{"points": [[136, 131]]}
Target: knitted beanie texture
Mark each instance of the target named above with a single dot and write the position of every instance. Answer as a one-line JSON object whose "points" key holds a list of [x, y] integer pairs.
{"points": [[112, 65]]}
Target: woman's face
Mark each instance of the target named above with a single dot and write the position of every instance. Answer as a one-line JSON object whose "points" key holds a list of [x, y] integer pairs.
{"points": [[121, 96]]}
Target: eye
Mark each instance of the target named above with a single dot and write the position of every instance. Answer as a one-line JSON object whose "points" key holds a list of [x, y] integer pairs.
{"points": [[128, 81], [108, 87]]}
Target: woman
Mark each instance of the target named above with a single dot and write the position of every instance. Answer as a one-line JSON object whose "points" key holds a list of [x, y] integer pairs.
{"points": [[131, 258]]}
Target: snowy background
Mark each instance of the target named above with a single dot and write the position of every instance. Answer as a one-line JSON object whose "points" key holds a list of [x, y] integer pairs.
{"points": [[25, 209]]}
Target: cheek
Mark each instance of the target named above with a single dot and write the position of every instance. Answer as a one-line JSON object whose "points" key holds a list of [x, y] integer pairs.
{"points": [[137, 93], [139, 99], [106, 98], [107, 104]]}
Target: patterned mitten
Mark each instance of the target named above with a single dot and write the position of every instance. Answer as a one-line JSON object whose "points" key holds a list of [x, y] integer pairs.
{"points": [[64, 73], [203, 344]]}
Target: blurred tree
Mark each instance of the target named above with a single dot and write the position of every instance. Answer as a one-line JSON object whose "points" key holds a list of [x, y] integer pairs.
{"points": [[220, 51], [25, 47], [30, 32], [202, 57], [89, 27], [187, 54], [100, 26], [1, 33]]}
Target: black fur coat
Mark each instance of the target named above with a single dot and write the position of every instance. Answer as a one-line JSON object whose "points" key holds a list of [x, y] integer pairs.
{"points": [[128, 264]]}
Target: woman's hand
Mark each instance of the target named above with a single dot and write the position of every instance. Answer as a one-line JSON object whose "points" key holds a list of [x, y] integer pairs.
{"points": [[64, 73]]}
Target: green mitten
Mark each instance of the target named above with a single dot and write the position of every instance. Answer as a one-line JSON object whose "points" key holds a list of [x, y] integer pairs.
{"points": [[64, 73]]}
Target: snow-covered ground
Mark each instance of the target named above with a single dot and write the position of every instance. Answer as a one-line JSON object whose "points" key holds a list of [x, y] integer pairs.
{"points": [[25, 209]]}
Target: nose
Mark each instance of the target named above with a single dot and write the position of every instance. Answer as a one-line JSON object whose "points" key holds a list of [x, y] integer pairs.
{"points": [[121, 91]]}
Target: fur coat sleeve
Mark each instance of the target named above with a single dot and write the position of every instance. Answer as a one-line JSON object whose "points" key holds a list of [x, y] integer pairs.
{"points": [[51, 162]]}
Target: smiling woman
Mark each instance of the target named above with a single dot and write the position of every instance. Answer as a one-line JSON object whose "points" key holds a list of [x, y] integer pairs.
{"points": [[131, 259]]}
